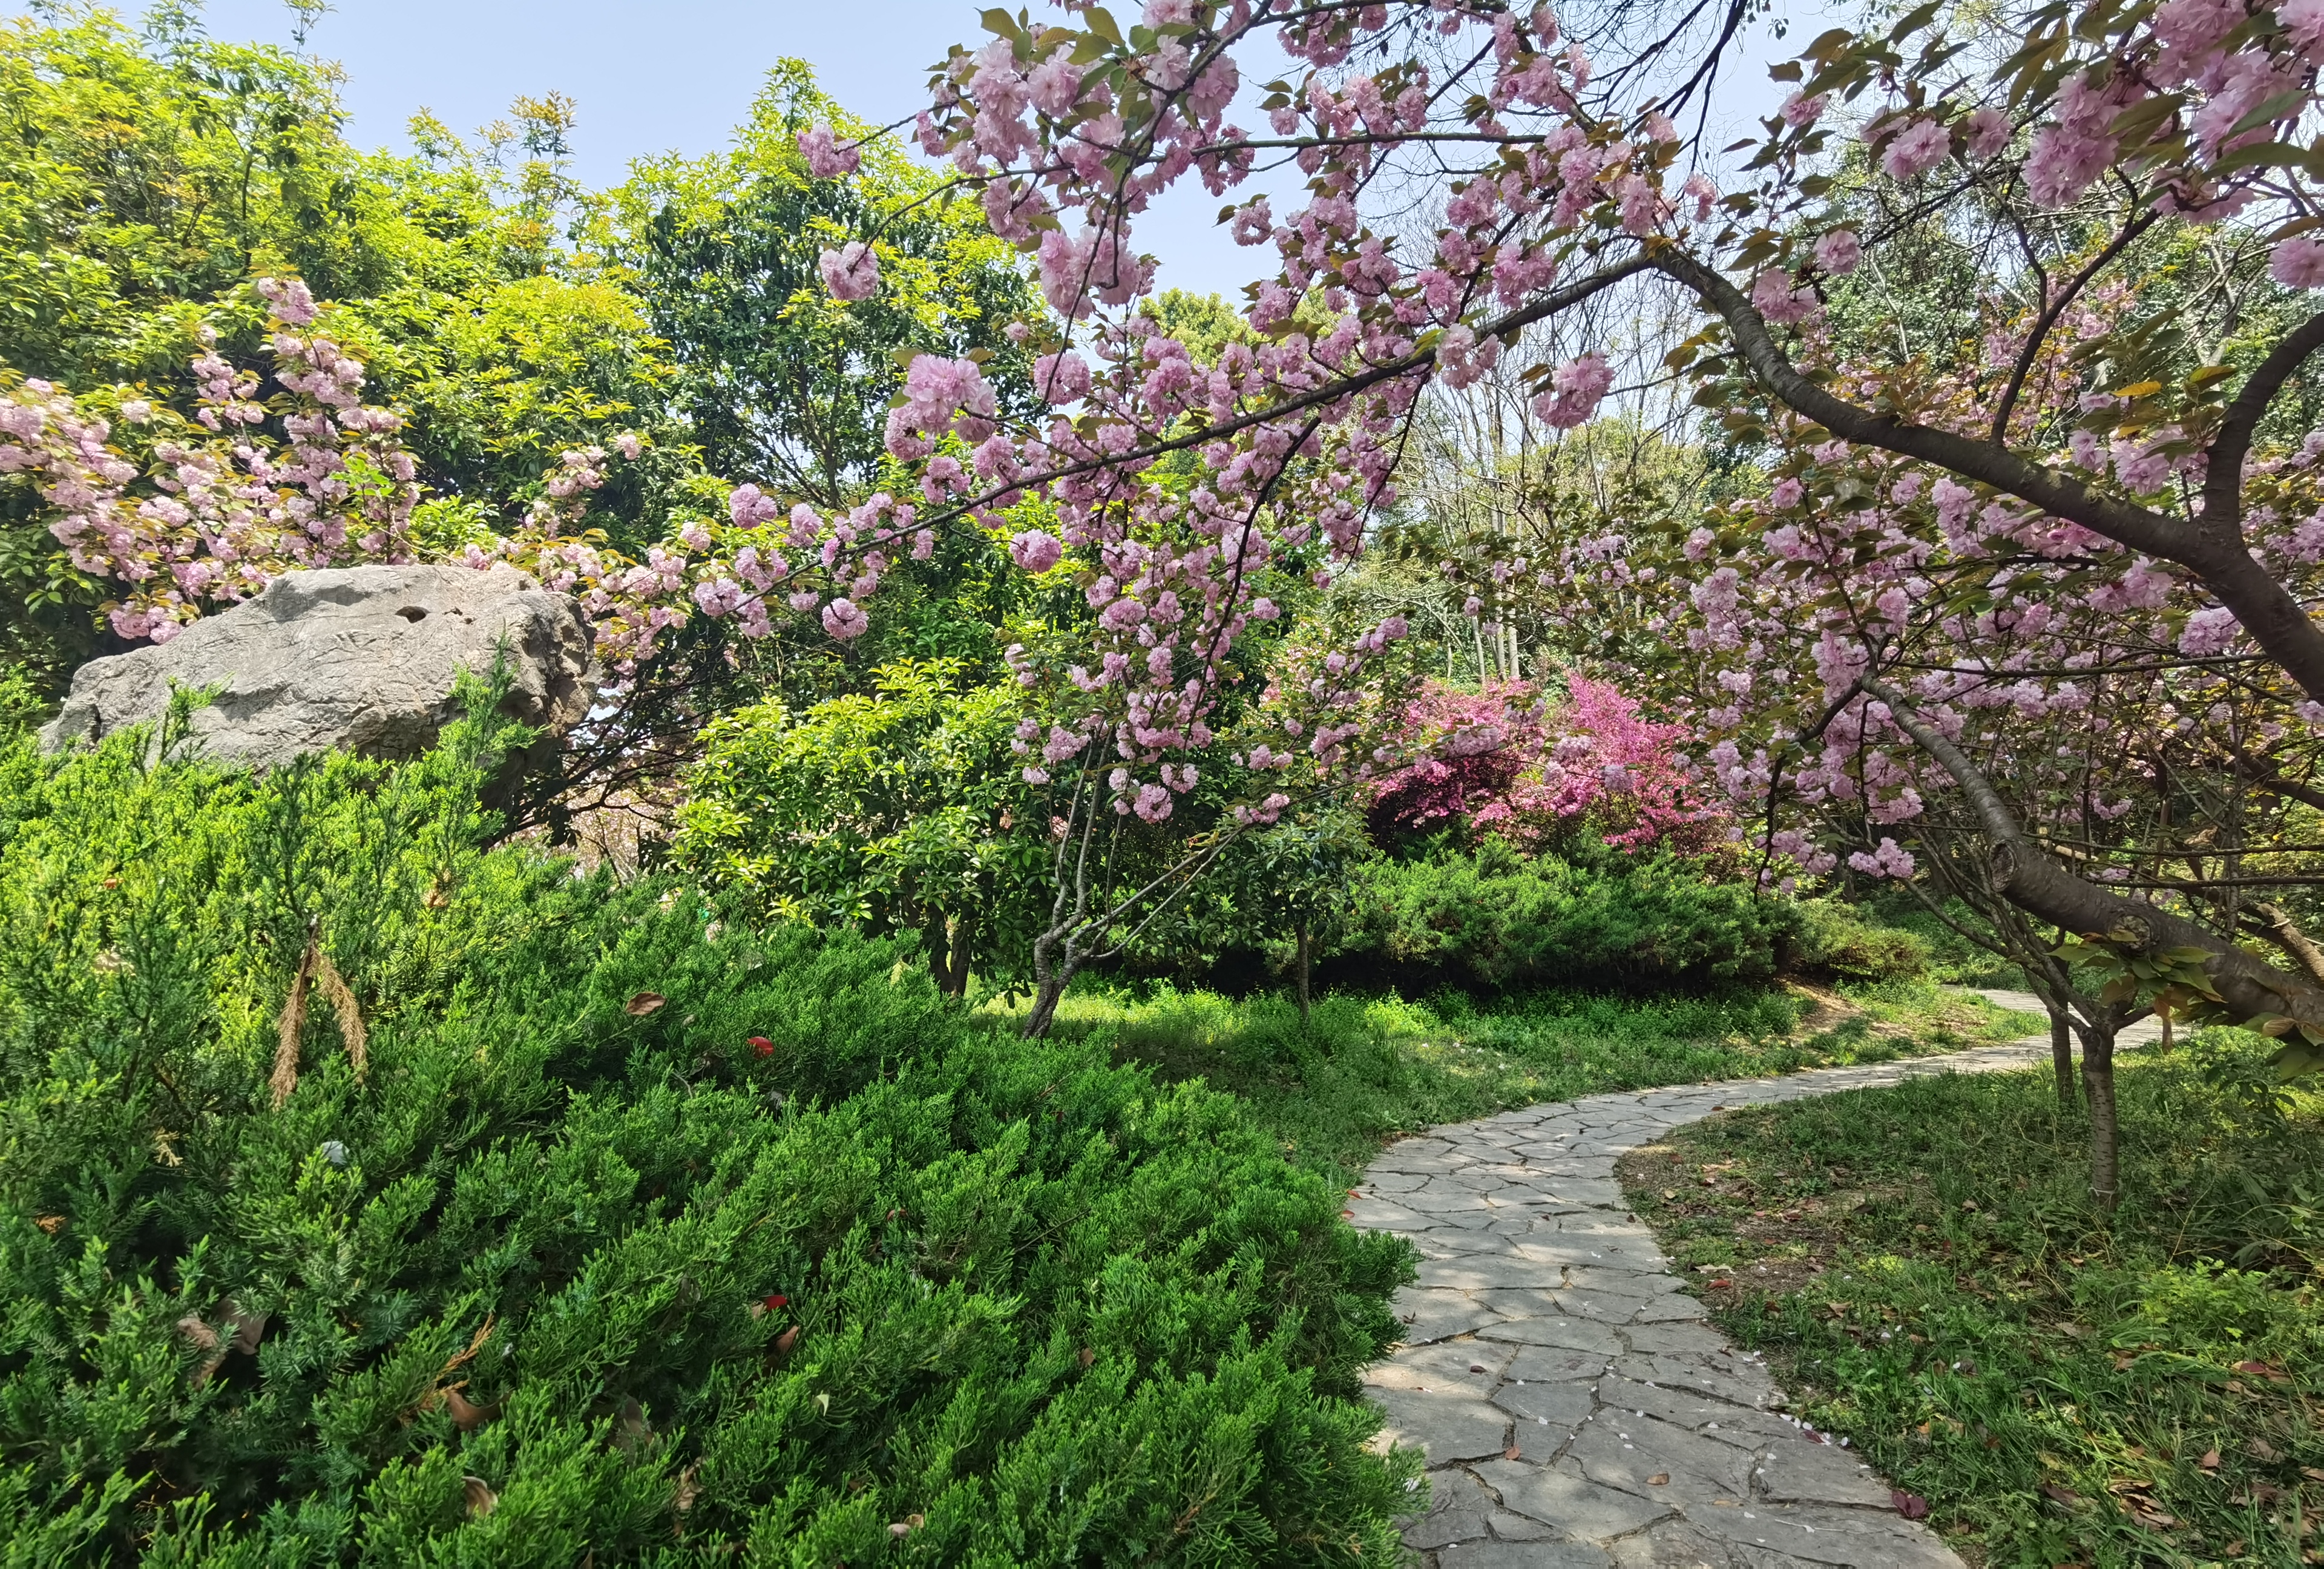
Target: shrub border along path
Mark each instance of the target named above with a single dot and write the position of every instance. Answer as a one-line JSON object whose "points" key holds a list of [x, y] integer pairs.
{"points": [[1575, 1407]]}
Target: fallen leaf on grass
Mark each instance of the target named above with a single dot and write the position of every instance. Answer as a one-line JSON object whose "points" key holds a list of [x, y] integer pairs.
{"points": [[1911, 1505], [2063, 1495], [643, 1003], [2210, 1461], [482, 1499]]}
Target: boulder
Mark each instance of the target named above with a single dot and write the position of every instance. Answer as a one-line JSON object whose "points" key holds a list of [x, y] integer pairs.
{"points": [[362, 658]]}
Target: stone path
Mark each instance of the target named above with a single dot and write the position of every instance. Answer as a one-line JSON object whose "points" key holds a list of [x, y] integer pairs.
{"points": [[1575, 1407]]}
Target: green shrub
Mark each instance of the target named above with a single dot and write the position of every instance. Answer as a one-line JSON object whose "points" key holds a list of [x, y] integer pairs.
{"points": [[1497, 921], [563, 1272], [1839, 941]]}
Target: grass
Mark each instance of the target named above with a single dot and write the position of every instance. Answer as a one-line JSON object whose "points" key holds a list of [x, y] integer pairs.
{"points": [[1925, 1269], [1366, 1069]]}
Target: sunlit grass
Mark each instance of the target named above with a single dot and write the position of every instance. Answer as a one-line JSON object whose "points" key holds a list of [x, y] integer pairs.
{"points": [[1366, 1069], [1926, 1266]]}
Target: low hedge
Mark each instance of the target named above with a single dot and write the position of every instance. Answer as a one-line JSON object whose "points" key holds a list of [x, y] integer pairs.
{"points": [[1495, 920], [638, 1235]]}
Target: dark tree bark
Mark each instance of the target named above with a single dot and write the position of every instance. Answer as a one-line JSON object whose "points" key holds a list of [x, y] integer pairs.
{"points": [[1303, 956], [2062, 1056], [2106, 1136]]}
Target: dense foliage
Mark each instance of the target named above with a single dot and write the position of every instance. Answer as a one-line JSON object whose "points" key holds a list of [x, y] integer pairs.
{"points": [[562, 1216], [1494, 919]]}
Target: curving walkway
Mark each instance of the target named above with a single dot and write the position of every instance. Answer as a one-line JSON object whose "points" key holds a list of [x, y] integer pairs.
{"points": [[1575, 1407]]}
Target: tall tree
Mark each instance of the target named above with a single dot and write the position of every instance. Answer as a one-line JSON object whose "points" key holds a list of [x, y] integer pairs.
{"points": [[781, 387]]}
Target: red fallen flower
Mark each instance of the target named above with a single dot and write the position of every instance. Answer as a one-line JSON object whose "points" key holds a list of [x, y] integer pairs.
{"points": [[762, 1046], [776, 1300]]}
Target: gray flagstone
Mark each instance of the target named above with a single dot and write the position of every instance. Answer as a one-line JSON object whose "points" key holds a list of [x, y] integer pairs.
{"points": [[1574, 1407]]}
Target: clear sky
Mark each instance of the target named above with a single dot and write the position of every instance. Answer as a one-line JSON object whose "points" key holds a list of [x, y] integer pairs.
{"points": [[678, 75], [672, 76]]}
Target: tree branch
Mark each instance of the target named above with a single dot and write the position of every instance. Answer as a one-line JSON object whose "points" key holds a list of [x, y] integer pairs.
{"points": [[1999, 432], [2033, 880], [2266, 609], [2223, 478]]}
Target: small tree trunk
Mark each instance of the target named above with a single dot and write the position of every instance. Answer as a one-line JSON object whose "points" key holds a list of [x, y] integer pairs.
{"points": [[1303, 973], [2098, 1088], [934, 937], [1050, 979], [2061, 1057], [1045, 998], [952, 977]]}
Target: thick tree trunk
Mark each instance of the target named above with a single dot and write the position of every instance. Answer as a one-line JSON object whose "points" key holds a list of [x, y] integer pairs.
{"points": [[2098, 1088], [2061, 1057], [1303, 974]]}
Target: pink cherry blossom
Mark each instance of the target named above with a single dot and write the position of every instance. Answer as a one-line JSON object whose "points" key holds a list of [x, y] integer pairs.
{"points": [[2298, 263], [852, 271], [827, 158], [1840, 251], [1914, 149], [1036, 550]]}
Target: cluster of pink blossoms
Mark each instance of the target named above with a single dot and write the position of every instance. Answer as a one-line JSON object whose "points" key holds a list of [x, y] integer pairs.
{"points": [[1506, 761]]}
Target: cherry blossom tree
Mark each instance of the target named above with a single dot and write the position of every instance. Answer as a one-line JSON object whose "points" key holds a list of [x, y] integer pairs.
{"points": [[2141, 472], [2088, 473]]}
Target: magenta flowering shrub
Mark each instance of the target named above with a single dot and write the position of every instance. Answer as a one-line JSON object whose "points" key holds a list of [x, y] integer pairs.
{"points": [[1505, 762], [1474, 747]]}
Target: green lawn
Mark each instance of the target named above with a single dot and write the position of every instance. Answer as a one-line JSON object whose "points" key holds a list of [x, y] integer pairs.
{"points": [[1925, 1269], [1365, 1069]]}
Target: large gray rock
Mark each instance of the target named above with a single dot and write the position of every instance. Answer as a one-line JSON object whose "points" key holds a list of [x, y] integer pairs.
{"points": [[362, 658]]}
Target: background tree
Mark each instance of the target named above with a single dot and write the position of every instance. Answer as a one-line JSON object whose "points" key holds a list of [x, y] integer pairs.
{"points": [[897, 811], [779, 387], [1296, 874]]}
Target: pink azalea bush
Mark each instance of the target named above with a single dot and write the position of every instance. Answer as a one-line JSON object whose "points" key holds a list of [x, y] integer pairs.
{"points": [[1505, 762]]}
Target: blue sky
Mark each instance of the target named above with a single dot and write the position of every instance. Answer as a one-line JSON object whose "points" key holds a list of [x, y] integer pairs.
{"points": [[678, 75], [675, 76]]}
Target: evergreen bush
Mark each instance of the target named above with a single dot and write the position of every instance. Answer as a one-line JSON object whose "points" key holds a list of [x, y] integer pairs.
{"points": [[596, 1224], [1496, 920]]}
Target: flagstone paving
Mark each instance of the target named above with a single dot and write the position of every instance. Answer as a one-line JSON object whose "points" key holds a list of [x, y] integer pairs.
{"points": [[1576, 1408]]}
